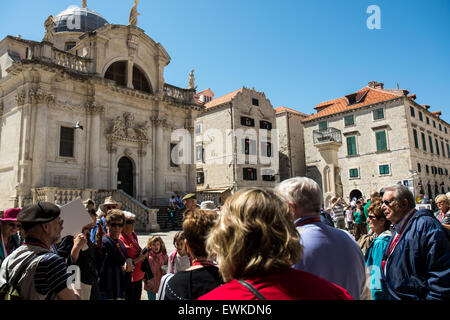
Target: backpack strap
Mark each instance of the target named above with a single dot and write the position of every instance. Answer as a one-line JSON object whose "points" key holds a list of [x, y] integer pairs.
{"points": [[172, 261], [22, 269], [252, 289]]}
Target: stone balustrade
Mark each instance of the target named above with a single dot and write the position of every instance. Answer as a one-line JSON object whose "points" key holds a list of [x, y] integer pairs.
{"points": [[179, 94], [70, 61]]}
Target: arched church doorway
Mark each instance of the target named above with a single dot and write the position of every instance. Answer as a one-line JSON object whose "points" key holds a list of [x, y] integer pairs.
{"points": [[355, 194], [125, 180]]}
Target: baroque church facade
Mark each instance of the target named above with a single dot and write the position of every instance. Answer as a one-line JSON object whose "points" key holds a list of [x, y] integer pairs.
{"points": [[88, 109]]}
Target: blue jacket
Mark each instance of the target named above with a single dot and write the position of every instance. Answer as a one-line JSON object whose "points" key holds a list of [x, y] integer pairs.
{"points": [[419, 267], [374, 256]]}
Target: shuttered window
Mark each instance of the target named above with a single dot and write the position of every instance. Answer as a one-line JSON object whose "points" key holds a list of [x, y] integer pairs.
{"points": [[384, 169], [381, 140], [416, 139], [351, 145], [353, 173], [66, 142]]}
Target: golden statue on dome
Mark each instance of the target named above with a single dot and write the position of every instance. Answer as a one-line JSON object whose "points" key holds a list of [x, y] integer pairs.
{"points": [[132, 21]]}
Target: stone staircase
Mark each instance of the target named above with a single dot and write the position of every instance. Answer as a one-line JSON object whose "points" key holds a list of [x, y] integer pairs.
{"points": [[164, 222]]}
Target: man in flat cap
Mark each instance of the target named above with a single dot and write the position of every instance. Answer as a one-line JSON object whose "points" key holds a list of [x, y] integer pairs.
{"points": [[38, 273], [190, 202]]}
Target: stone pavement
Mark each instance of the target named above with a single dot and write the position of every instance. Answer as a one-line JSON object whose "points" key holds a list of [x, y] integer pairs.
{"points": [[167, 237]]}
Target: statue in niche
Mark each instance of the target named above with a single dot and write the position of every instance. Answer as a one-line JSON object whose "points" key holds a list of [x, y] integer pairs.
{"points": [[132, 21], [49, 25]]}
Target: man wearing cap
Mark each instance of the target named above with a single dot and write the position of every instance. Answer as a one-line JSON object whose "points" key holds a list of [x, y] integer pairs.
{"points": [[190, 203], [8, 233], [108, 205], [41, 274]]}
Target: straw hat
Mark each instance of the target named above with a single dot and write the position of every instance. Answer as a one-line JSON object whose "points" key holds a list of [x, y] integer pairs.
{"points": [[109, 201]]}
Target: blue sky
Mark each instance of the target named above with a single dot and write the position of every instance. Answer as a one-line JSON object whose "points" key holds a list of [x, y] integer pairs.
{"points": [[299, 53]]}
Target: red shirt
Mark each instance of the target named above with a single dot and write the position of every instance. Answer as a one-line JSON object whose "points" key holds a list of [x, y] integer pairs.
{"points": [[133, 250], [288, 284]]}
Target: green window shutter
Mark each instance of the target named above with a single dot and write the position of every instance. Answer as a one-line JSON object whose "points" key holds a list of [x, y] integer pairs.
{"points": [[349, 120], [353, 173], [381, 140], [384, 169], [413, 114], [351, 145], [378, 114], [323, 126], [430, 140], [424, 142], [416, 140]]}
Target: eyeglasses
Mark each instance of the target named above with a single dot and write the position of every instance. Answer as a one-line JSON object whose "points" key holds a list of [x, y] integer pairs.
{"points": [[371, 217], [388, 202], [120, 225], [129, 221]]}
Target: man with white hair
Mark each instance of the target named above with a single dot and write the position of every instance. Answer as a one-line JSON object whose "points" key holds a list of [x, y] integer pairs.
{"points": [[328, 252], [416, 264]]}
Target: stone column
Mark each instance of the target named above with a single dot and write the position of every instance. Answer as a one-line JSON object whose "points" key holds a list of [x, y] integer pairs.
{"points": [[130, 74], [112, 151], [329, 154], [93, 132], [140, 183]]}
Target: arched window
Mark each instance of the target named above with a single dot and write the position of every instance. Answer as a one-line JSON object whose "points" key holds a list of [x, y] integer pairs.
{"points": [[140, 81], [117, 72]]}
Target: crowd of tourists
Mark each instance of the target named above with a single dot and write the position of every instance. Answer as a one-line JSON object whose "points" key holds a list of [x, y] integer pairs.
{"points": [[262, 244]]}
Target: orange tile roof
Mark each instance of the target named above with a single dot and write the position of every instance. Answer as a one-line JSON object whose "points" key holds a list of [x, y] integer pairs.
{"points": [[226, 98], [367, 94], [281, 109]]}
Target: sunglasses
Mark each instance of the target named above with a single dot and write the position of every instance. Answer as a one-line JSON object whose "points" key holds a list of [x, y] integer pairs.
{"points": [[129, 221], [120, 225], [371, 217], [14, 225], [388, 202], [110, 207]]}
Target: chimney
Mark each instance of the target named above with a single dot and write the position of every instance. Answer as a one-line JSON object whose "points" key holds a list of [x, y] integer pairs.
{"points": [[376, 85]]}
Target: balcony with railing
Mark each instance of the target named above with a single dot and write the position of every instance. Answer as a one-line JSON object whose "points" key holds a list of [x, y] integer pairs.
{"points": [[326, 136]]}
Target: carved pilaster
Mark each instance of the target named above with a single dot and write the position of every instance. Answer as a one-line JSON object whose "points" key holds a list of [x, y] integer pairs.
{"points": [[111, 147], [94, 108], [20, 98]]}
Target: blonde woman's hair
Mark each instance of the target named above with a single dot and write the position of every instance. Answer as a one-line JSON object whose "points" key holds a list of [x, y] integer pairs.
{"points": [[442, 197], [254, 235], [155, 239]]}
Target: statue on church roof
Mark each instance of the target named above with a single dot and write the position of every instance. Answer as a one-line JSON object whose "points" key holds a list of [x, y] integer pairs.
{"points": [[191, 84], [49, 25], [84, 3], [132, 21]]}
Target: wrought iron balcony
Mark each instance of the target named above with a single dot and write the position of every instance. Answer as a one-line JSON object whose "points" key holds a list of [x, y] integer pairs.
{"points": [[327, 135]]}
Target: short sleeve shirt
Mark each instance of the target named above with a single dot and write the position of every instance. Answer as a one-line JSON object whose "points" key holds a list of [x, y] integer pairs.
{"points": [[51, 274]]}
